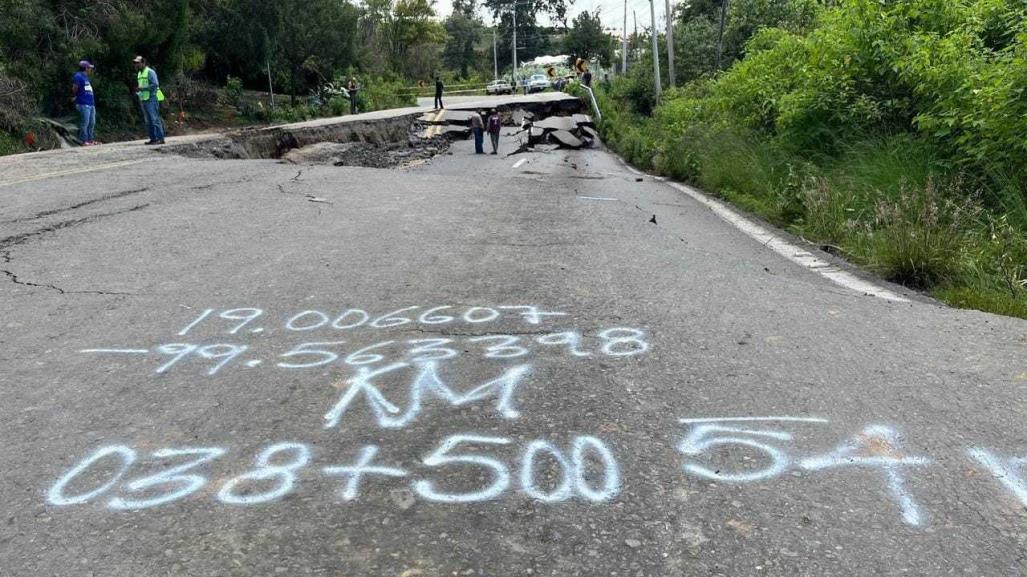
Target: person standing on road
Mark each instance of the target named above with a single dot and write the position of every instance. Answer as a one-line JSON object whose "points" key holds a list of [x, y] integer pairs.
{"points": [[438, 93], [478, 129], [150, 95], [85, 103], [494, 125], [352, 89]]}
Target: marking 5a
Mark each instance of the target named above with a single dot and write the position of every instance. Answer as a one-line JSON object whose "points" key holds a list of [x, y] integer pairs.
{"points": [[1008, 471], [876, 446]]}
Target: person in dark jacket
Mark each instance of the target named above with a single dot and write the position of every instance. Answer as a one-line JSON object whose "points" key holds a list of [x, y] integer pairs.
{"points": [[352, 88], [438, 93], [494, 125]]}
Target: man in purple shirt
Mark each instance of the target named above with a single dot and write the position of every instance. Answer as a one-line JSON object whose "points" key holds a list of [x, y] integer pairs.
{"points": [[85, 102]]}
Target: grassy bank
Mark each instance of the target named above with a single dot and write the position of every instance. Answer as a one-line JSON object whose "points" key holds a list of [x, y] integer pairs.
{"points": [[892, 203], [891, 133]]}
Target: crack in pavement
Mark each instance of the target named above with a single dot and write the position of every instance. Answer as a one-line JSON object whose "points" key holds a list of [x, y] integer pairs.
{"points": [[51, 212], [219, 183], [8, 243], [14, 278], [308, 197]]}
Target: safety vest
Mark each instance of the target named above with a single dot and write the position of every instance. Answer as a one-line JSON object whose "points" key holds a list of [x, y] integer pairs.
{"points": [[143, 79]]}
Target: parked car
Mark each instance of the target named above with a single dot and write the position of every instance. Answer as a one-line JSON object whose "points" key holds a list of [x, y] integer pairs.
{"points": [[563, 81], [538, 83], [499, 87]]}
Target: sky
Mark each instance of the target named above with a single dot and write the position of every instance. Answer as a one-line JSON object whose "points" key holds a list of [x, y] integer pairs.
{"points": [[611, 12]]}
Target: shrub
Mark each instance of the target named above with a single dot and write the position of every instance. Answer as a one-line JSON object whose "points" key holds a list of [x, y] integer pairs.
{"points": [[233, 91], [196, 96], [11, 144], [917, 238], [15, 103], [382, 93]]}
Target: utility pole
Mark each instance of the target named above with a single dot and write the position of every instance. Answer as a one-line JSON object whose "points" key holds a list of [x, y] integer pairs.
{"points": [[720, 35], [656, 50], [514, 45], [270, 86], [495, 58], [624, 45], [670, 44], [634, 13]]}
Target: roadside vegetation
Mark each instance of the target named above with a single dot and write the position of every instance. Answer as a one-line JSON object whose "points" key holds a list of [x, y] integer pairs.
{"points": [[892, 133]]}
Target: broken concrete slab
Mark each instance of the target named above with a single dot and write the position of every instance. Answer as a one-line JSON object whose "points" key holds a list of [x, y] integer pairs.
{"points": [[557, 123], [583, 120], [447, 117], [520, 115], [456, 131], [319, 153], [565, 139], [363, 154]]}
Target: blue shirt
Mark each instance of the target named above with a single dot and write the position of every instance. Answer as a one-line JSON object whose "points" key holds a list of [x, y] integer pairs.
{"points": [[85, 90]]}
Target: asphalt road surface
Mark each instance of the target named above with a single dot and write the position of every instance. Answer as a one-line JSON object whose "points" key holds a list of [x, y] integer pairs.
{"points": [[246, 368]]}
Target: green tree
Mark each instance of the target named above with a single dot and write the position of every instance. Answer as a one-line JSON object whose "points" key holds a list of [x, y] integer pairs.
{"points": [[587, 39], [464, 29], [532, 39], [416, 38]]}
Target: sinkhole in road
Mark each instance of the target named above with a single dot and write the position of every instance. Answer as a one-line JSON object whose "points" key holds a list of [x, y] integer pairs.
{"points": [[396, 141]]}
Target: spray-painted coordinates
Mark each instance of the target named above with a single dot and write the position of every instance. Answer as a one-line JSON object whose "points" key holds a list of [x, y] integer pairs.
{"points": [[611, 342], [238, 320], [587, 471], [395, 382]]}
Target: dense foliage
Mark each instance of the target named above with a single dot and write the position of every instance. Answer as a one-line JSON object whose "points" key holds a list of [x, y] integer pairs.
{"points": [[586, 39], [892, 131], [301, 47]]}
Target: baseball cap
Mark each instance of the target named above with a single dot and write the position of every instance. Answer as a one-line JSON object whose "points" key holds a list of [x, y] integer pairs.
{"points": [[85, 64], [137, 59]]}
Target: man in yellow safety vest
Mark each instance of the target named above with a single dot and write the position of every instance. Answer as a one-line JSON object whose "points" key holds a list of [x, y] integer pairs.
{"points": [[150, 95]]}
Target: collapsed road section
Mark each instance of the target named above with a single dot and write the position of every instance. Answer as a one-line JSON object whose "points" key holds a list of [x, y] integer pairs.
{"points": [[396, 138]]}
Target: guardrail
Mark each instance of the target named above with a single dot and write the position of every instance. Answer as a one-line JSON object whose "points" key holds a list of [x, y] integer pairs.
{"points": [[595, 105]]}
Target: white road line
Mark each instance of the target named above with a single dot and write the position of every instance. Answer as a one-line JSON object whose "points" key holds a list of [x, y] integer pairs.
{"points": [[794, 253], [597, 198], [76, 171], [754, 419], [520, 162]]}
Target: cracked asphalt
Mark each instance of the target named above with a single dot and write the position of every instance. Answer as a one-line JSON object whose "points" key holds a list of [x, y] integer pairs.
{"points": [[466, 368]]}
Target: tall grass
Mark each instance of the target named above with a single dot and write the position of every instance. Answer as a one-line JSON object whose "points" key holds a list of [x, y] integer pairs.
{"points": [[889, 202]]}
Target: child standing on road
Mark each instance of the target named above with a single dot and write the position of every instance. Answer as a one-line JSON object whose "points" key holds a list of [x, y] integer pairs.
{"points": [[494, 125]]}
